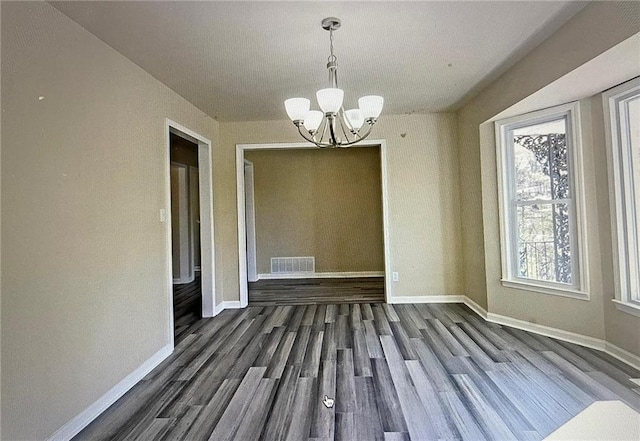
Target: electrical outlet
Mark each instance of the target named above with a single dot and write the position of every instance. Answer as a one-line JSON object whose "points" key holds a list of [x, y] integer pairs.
{"points": [[163, 215], [395, 276]]}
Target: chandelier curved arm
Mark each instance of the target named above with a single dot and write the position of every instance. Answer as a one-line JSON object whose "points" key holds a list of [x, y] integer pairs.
{"points": [[331, 120], [311, 138], [344, 123], [358, 137], [305, 135]]}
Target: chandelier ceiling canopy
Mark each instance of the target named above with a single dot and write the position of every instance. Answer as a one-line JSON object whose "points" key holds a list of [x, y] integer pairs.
{"points": [[333, 126]]}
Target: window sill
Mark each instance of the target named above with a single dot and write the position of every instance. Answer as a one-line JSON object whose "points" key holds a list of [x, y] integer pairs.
{"points": [[628, 307], [545, 289]]}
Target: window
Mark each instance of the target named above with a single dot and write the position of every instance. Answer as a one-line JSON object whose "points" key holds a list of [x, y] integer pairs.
{"points": [[539, 176], [622, 117]]}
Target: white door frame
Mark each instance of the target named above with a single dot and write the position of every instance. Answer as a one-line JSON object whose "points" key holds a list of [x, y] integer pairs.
{"points": [[250, 220], [242, 232], [207, 257]]}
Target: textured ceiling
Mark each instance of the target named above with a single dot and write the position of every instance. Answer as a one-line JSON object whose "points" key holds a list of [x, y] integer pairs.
{"points": [[238, 61]]}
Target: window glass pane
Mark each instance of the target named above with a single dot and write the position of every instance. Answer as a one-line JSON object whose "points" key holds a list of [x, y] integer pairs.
{"points": [[544, 245], [540, 160]]}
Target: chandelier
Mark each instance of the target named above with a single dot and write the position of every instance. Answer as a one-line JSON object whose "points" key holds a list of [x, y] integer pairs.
{"points": [[333, 126]]}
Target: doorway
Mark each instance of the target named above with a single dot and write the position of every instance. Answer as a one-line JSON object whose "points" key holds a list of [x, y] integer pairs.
{"points": [[243, 239], [189, 228], [185, 234]]}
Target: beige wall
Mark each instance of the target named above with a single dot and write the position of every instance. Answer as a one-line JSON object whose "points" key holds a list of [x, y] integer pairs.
{"points": [[423, 196], [84, 278], [570, 47], [322, 203]]}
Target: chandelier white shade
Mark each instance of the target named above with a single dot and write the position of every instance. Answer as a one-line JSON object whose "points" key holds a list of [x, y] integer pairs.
{"points": [[297, 108], [371, 106], [355, 118], [330, 99], [333, 126], [313, 120]]}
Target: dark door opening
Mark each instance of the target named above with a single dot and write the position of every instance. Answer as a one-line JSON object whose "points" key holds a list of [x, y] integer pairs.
{"points": [[185, 235]]}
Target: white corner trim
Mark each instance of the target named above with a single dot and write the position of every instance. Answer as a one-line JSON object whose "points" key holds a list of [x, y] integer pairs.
{"points": [[622, 355], [627, 307], [227, 304], [325, 275], [82, 420], [426, 299], [475, 307]]}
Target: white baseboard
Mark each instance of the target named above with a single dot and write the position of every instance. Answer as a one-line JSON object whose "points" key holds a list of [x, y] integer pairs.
{"points": [[426, 299], [326, 275], [547, 331], [82, 420], [571, 337], [227, 304]]}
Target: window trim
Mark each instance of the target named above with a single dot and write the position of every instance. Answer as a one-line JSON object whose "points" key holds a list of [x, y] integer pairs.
{"points": [[579, 264], [620, 186]]}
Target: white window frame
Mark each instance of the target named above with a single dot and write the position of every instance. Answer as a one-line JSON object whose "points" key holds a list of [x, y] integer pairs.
{"points": [[623, 212], [506, 193]]}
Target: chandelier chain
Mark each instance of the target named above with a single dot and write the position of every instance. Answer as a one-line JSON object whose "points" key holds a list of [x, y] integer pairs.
{"points": [[332, 58]]}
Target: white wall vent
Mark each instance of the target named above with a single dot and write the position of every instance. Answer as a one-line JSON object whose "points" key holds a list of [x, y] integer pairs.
{"points": [[289, 265]]}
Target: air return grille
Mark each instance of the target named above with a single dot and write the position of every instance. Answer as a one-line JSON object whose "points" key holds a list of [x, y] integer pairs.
{"points": [[289, 265]]}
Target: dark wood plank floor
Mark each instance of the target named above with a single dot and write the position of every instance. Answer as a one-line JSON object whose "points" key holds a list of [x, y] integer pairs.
{"points": [[187, 307], [397, 372], [316, 291]]}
